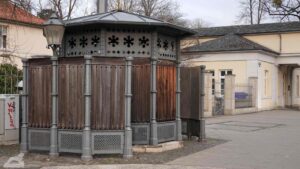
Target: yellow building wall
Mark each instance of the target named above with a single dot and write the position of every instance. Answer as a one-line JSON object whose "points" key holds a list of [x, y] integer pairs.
{"points": [[238, 68], [269, 41], [24, 42], [291, 43]]}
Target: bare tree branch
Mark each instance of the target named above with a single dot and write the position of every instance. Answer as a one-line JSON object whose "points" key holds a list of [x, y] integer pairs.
{"points": [[286, 10]]}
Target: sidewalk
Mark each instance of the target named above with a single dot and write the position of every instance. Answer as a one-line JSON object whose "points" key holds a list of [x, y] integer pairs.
{"points": [[266, 140]]}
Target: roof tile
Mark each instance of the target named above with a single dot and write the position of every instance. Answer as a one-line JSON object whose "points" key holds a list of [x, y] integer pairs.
{"points": [[229, 42], [11, 12]]}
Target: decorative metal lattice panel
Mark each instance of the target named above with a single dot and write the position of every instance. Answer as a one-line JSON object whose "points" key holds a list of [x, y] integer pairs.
{"points": [[39, 139], [107, 142], [166, 131], [166, 47], [70, 141], [128, 42], [141, 133], [79, 44]]}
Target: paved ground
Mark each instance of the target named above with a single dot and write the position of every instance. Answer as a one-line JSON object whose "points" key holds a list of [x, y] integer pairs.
{"points": [[267, 140], [38, 160]]}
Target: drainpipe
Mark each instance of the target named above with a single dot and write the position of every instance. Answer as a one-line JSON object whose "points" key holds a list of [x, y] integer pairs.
{"points": [[102, 6]]}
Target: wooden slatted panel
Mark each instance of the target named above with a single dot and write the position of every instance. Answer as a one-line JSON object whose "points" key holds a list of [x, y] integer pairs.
{"points": [[108, 97], [39, 96], [71, 96], [141, 94], [166, 93], [190, 93]]}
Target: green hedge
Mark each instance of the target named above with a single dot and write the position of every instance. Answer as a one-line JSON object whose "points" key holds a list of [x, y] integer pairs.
{"points": [[10, 75]]}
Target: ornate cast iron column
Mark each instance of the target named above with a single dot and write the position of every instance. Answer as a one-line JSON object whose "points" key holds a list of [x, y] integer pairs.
{"points": [[86, 136], [128, 95], [24, 127], [178, 92], [202, 94], [153, 122], [54, 94]]}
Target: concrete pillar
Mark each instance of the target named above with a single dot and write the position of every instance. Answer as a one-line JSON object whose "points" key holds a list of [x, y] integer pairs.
{"points": [[202, 95], [208, 98], [253, 82], [153, 122], [178, 93], [86, 135], [54, 94], [229, 95], [128, 95], [24, 123]]}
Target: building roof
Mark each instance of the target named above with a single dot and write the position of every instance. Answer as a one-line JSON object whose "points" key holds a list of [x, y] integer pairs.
{"points": [[12, 13], [125, 18], [250, 29], [229, 42]]}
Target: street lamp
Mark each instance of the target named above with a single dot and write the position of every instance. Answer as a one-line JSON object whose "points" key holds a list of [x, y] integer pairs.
{"points": [[53, 31]]}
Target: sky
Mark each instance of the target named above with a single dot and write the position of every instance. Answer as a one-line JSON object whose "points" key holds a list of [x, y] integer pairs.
{"points": [[214, 12]]}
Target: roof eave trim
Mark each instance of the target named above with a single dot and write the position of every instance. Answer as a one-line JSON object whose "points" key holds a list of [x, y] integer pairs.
{"points": [[229, 51]]}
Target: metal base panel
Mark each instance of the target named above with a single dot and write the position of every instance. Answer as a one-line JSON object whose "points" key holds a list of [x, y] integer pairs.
{"points": [[166, 131], [70, 141], [39, 139], [107, 142], [141, 134]]}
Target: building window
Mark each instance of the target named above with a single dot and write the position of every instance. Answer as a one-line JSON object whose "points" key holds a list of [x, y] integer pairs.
{"points": [[3, 37], [266, 82], [298, 86], [223, 74]]}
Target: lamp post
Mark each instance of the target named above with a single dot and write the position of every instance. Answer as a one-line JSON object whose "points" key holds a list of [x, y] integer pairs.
{"points": [[54, 31]]}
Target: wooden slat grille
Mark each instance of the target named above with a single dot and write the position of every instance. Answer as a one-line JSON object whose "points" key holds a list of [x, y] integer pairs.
{"points": [[39, 96], [141, 94], [190, 89], [108, 97], [71, 96], [166, 93]]}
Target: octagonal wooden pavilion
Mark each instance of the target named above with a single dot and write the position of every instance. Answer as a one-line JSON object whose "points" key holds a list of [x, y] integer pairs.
{"points": [[114, 84]]}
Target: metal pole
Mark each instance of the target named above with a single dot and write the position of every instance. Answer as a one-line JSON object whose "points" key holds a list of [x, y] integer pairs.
{"points": [[153, 122], [178, 92], [128, 95], [24, 128], [86, 136], [54, 94], [202, 94]]}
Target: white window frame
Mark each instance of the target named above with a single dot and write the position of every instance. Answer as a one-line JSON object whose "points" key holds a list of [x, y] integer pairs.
{"points": [[222, 77], [2, 35]]}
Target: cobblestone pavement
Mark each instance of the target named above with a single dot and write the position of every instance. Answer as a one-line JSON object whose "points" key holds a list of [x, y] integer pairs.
{"points": [[266, 140], [38, 160]]}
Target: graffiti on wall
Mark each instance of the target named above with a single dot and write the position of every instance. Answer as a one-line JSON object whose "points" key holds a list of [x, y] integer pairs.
{"points": [[11, 113]]}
